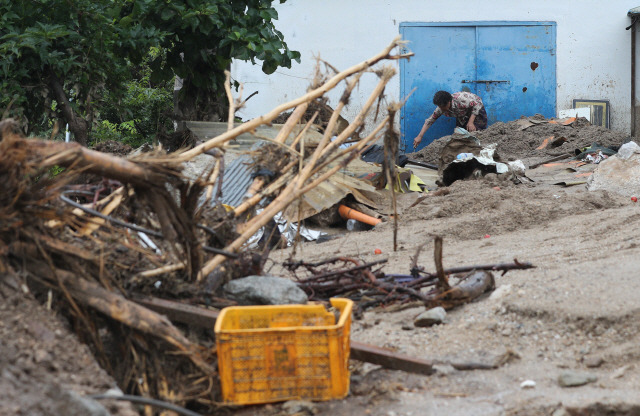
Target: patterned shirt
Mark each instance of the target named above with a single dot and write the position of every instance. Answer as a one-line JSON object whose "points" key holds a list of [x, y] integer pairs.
{"points": [[463, 104]]}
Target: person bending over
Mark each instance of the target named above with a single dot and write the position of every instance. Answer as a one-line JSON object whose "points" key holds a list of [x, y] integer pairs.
{"points": [[466, 107]]}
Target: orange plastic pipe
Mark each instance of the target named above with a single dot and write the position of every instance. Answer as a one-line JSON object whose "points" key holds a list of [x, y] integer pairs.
{"points": [[351, 214]]}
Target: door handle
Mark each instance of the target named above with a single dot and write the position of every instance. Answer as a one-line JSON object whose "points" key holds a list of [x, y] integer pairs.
{"points": [[483, 81], [486, 82]]}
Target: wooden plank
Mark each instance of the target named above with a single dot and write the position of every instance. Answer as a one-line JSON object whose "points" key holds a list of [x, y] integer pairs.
{"points": [[389, 359], [206, 318], [181, 312]]}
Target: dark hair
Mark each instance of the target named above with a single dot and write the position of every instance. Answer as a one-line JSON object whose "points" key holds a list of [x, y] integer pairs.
{"points": [[441, 98]]}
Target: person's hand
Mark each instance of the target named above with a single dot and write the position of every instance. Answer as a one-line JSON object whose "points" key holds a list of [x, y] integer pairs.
{"points": [[471, 127], [416, 142]]}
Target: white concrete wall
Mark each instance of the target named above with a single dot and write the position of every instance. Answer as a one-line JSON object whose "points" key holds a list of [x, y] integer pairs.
{"points": [[593, 47]]}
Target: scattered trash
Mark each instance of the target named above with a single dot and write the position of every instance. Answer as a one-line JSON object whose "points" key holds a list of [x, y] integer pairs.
{"points": [[584, 112], [514, 142], [464, 156], [377, 251], [286, 231], [634, 199], [76, 239], [347, 277], [461, 159], [545, 143], [351, 224], [352, 214], [595, 151], [517, 167], [375, 154], [597, 158], [527, 384], [619, 173]]}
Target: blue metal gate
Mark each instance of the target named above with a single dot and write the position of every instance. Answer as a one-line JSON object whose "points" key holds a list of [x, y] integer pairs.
{"points": [[510, 65]]}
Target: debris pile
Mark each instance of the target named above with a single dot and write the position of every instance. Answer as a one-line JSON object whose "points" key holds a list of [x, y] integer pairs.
{"points": [[369, 287], [534, 138], [144, 229]]}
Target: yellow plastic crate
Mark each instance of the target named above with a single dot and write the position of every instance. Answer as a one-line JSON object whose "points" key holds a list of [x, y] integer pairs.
{"points": [[277, 353]]}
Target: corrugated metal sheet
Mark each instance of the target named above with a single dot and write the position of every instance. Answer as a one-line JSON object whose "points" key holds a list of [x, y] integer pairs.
{"points": [[236, 181]]}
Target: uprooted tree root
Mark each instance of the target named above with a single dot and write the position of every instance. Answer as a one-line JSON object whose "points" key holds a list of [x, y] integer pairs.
{"points": [[39, 242]]}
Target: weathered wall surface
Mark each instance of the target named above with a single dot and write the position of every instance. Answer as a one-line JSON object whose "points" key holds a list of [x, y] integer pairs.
{"points": [[593, 47]]}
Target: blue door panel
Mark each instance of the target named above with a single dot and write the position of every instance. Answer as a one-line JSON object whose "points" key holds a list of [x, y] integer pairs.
{"points": [[525, 57], [520, 53], [433, 68]]}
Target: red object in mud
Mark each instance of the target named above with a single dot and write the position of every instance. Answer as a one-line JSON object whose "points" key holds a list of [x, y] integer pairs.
{"points": [[487, 236], [497, 188], [377, 251], [634, 199]]}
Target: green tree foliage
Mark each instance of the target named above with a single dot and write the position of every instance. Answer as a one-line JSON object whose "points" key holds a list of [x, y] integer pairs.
{"points": [[63, 58], [134, 115], [202, 37]]}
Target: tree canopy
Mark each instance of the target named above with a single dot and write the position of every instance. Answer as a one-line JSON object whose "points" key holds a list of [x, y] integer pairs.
{"points": [[60, 57]]}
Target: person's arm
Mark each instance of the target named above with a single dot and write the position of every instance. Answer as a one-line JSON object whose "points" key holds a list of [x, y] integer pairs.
{"points": [[427, 123], [476, 105], [418, 139]]}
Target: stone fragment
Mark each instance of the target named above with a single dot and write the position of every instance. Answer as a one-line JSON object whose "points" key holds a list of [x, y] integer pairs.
{"points": [[430, 317], [265, 290], [575, 379], [593, 362]]}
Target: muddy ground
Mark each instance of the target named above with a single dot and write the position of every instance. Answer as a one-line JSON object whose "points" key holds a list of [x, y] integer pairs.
{"points": [[577, 311], [578, 306]]}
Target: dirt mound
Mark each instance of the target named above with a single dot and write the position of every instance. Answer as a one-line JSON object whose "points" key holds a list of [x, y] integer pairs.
{"points": [[44, 367], [480, 209], [515, 143]]}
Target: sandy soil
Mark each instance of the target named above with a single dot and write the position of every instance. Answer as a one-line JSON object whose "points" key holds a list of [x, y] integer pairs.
{"points": [[579, 305]]}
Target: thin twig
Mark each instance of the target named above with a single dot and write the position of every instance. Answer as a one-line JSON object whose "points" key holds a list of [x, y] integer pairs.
{"points": [[437, 254]]}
